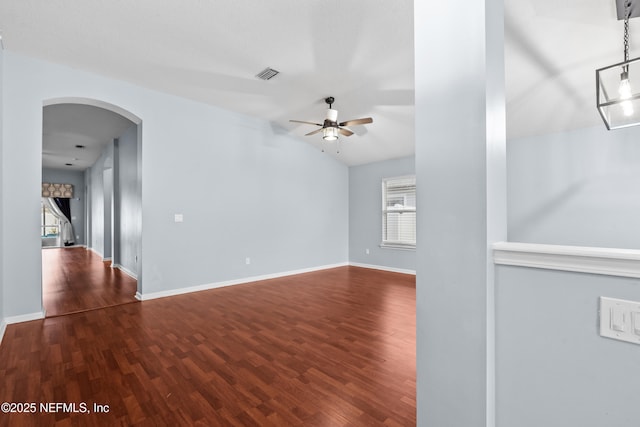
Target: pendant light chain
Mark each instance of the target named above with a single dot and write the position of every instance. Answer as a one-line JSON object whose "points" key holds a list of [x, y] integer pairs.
{"points": [[626, 29]]}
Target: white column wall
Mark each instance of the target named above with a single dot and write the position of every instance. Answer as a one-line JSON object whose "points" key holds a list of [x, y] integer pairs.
{"points": [[461, 184]]}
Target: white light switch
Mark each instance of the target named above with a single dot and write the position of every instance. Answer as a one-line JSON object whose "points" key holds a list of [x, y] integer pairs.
{"points": [[178, 218], [635, 322], [620, 319], [617, 318]]}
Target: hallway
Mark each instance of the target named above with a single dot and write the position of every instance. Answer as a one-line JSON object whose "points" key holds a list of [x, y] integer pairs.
{"points": [[76, 280]]}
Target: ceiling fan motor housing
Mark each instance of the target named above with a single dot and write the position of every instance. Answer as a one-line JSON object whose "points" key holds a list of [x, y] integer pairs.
{"points": [[332, 115]]}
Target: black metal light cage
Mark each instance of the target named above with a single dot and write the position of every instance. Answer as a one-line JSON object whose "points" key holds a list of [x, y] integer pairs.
{"points": [[611, 105]]}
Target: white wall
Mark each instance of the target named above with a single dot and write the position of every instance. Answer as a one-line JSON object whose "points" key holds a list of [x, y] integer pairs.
{"points": [[244, 189], [365, 215]]}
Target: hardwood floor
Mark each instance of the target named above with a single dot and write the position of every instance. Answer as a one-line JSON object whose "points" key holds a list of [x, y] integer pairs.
{"points": [[329, 348], [76, 279]]}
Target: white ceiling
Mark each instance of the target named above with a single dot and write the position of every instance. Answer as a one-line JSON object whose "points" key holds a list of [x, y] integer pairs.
{"points": [[65, 126], [359, 51], [552, 50]]}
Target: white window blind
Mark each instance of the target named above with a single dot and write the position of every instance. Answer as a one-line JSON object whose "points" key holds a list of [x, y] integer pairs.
{"points": [[399, 212]]}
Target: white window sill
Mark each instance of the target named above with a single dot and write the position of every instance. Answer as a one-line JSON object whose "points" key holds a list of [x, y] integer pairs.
{"points": [[398, 246]]}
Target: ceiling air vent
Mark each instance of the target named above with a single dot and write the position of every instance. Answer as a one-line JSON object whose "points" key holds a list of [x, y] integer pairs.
{"points": [[267, 74]]}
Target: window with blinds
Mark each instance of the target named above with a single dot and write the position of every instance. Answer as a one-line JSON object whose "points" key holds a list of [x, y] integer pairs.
{"points": [[399, 212]]}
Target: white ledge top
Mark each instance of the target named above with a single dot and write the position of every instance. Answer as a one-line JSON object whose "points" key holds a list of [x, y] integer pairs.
{"points": [[584, 259]]}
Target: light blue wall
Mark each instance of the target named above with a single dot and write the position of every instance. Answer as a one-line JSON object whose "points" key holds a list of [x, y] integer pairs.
{"points": [[77, 203], [554, 369], [115, 202], [461, 190], [128, 204], [244, 189], [2, 168], [573, 188], [576, 188], [107, 187], [22, 157], [99, 196], [365, 214]]}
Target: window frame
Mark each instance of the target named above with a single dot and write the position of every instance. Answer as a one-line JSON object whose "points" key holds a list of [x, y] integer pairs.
{"points": [[396, 244], [44, 210]]}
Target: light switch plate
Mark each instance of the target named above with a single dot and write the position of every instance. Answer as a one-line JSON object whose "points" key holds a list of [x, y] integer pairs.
{"points": [[178, 218], [619, 319]]}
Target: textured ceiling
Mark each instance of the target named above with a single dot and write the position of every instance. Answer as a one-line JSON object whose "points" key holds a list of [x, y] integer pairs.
{"points": [[361, 52]]}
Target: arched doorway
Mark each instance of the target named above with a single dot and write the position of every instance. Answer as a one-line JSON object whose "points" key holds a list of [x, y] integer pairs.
{"points": [[96, 147]]}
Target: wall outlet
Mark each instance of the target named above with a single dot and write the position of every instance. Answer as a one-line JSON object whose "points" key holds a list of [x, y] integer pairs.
{"points": [[247, 260], [178, 218], [366, 251]]}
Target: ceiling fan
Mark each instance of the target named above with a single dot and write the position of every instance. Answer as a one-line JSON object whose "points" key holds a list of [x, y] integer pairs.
{"points": [[330, 128]]}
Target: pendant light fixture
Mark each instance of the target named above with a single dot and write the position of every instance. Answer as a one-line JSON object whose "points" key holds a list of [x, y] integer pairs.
{"points": [[618, 86]]}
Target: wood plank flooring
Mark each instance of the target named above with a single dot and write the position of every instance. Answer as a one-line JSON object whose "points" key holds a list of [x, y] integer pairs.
{"points": [[76, 279], [328, 348]]}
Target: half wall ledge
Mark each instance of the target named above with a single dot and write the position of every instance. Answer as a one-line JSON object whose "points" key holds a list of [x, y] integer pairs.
{"points": [[582, 259]]}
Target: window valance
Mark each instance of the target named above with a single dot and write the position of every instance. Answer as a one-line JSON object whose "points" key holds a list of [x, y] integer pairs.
{"points": [[57, 190]]}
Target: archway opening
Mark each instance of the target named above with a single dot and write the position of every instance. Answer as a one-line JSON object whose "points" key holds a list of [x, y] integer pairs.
{"points": [[94, 148]]}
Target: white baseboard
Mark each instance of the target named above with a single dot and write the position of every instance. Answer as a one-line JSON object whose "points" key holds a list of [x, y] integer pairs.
{"points": [[384, 268], [64, 247], [125, 271], [172, 292], [3, 327], [19, 319], [25, 317], [95, 252]]}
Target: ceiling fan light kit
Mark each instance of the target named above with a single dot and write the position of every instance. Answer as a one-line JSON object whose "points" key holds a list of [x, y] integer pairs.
{"points": [[618, 85], [330, 134], [330, 128]]}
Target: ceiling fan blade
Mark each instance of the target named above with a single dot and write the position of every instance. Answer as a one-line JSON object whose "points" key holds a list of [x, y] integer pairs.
{"points": [[307, 123], [345, 132], [357, 122], [313, 132]]}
